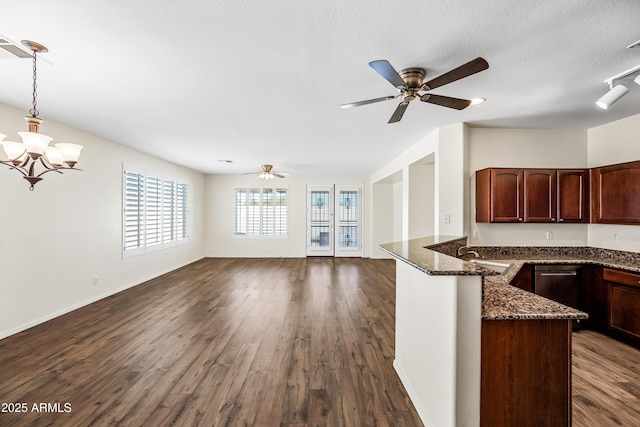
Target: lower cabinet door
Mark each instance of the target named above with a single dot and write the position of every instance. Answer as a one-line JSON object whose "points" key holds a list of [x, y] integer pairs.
{"points": [[624, 309]]}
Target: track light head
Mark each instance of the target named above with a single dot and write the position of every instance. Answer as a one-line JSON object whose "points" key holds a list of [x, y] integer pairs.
{"points": [[615, 93], [637, 79]]}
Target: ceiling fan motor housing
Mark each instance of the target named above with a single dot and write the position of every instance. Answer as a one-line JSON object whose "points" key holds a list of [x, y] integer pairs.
{"points": [[413, 77]]}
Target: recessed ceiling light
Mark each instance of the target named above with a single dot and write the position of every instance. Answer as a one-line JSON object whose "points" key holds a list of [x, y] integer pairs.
{"points": [[476, 101]]}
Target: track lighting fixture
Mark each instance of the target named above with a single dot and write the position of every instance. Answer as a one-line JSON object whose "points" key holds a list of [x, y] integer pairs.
{"points": [[618, 91]]}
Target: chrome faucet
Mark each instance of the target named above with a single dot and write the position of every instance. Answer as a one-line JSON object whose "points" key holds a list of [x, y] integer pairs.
{"points": [[467, 251]]}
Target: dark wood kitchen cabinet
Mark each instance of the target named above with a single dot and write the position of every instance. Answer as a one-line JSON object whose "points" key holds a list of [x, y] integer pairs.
{"points": [[499, 195], [539, 195], [532, 195], [524, 278], [594, 298], [624, 304], [615, 194], [573, 195], [525, 373]]}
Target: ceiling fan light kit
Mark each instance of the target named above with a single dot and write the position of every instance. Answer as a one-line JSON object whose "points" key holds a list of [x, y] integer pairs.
{"points": [[410, 85], [617, 91], [268, 174], [33, 157]]}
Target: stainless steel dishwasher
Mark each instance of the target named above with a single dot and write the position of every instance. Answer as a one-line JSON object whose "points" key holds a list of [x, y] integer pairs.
{"points": [[559, 283]]}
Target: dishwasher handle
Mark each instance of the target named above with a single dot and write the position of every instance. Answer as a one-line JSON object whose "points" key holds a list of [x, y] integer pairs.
{"points": [[559, 273]]}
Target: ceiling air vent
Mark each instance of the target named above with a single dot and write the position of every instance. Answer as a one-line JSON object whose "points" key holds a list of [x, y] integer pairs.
{"points": [[11, 50]]}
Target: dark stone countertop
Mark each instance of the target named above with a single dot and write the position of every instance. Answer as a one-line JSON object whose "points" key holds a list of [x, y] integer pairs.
{"points": [[429, 254], [436, 256]]}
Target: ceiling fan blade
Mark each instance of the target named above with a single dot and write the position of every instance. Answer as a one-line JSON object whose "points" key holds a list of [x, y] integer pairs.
{"points": [[368, 101], [387, 71], [280, 175], [465, 70], [397, 115], [446, 101]]}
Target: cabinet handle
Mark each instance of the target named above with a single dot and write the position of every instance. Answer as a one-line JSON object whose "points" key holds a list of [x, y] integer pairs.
{"points": [[519, 219], [568, 273], [560, 220], [553, 219]]}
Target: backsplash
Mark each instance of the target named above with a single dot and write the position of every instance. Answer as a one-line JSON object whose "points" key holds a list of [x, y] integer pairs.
{"points": [[540, 252]]}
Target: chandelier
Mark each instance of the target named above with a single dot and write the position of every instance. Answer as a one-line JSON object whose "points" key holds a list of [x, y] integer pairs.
{"points": [[33, 157]]}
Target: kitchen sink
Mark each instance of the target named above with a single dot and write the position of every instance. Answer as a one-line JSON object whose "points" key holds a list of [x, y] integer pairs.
{"points": [[492, 265]]}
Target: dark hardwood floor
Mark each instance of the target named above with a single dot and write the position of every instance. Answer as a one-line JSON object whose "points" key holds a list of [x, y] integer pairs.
{"points": [[605, 381], [262, 342], [221, 342]]}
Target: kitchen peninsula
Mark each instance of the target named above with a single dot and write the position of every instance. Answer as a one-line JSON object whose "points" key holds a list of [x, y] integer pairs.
{"points": [[473, 350]]}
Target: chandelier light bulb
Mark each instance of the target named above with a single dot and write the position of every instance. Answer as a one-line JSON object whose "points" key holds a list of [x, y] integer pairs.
{"points": [[54, 156]]}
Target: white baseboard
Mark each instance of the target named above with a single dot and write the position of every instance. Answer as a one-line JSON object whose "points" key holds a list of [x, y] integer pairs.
{"points": [[24, 327], [422, 413]]}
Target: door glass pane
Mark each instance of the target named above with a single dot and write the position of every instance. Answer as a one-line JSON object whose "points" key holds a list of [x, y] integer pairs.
{"points": [[319, 236], [319, 206], [348, 216], [348, 237], [320, 216], [348, 206]]}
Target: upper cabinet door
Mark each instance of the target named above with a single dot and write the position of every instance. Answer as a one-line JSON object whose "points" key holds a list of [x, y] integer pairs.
{"points": [[573, 196], [507, 196], [616, 194], [539, 195], [499, 195]]}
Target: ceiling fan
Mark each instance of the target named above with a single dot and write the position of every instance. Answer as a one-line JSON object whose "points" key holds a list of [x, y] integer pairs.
{"points": [[409, 83], [267, 173]]}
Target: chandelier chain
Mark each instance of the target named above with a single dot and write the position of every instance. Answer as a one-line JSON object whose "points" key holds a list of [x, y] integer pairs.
{"points": [[34, 110]]}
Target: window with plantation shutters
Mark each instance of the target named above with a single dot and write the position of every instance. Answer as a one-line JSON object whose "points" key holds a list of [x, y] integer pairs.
{"points": [[154, 213], [133, 222], [261, 212]]}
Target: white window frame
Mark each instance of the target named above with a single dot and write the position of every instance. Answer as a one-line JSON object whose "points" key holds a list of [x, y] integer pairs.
{"points": [[170, 218], [260, 225]]}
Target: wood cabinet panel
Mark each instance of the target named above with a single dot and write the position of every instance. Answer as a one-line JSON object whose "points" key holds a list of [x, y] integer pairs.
{"points": [[539, 195], [573, 196], [525, 373], [623, 277], [625, 309], [532, 195], [615, 194], [594, 297], [624, 304], [499, 195], [507, 195], [524, 278]]}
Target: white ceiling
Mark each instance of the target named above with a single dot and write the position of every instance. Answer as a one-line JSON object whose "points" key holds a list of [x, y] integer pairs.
{"points": [[197, 81]]}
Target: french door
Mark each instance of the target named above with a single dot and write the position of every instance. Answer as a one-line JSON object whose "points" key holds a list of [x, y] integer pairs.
{"points": [[334, 220]]}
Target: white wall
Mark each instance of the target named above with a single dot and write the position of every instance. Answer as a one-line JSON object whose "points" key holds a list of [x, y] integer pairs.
{"points": [[421, 183], [615, 142], [444, 385], [219, 222], [67, 231], [382, 220], [450, 178], [446, 147], [526, 148]]}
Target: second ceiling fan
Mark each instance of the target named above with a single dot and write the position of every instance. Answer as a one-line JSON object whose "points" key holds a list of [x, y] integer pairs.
{"points": [[409, 83]]}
